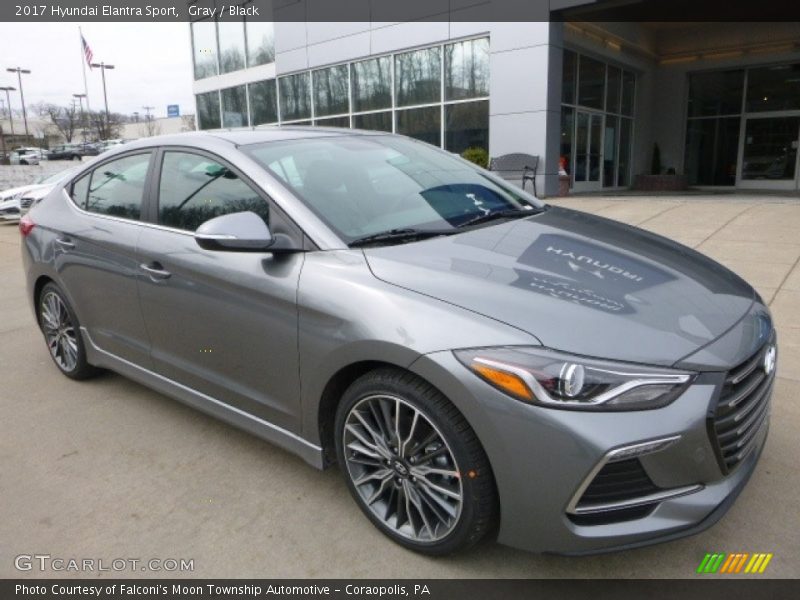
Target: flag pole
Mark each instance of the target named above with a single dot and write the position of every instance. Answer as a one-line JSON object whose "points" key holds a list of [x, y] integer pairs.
{"points": [[83, 67]]}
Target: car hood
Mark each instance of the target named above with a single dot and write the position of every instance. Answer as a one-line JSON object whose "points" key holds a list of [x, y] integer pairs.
{"points": [[578, 283]]}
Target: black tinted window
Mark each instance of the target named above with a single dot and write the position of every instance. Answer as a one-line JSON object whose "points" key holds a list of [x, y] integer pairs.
{"points": [[195, 188], [117, 187]]}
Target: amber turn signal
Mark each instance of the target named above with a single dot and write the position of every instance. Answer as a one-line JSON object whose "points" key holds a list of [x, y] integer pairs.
{"points": [[508, 382]]}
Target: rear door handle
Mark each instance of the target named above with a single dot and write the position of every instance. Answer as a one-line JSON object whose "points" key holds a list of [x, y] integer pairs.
{"points": [[155, 270], [65, 243]]}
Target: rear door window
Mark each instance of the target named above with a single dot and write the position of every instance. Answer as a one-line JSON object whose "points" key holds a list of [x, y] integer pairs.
{"points": [[116, 188]]}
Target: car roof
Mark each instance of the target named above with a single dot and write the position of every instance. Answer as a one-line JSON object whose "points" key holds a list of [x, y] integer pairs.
{"points": [[241, 137]]}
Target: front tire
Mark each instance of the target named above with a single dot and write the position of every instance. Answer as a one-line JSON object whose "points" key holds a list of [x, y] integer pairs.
{"points": [[61, 331], [413, 464]]}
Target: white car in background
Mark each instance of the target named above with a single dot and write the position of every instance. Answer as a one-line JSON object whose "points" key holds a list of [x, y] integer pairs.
{"points": [[27, 156], [15, 202]]}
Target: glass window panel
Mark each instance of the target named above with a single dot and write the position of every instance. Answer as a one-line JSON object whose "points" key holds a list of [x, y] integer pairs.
{"points": [[628, 92], [234, 107], [372, 84], [717, 93], [231, 46], [421, 123], [331, 91], [613, 89], [467, 69], [712, 146], [773, 88], [466, 126], [208, 111], [609, 151], [117, 187], [417, 77], [263, 102], [333, 122], [194, 189], [567, 133], [591, 82], [204, 44], [295, 97], [260, 42], [624, 163], [374, 121], [569, 77], [596, 131], [770, 148]]}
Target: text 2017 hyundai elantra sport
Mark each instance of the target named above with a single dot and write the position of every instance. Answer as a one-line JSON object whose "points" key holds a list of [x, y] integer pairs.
{"points": [[475, 361]]}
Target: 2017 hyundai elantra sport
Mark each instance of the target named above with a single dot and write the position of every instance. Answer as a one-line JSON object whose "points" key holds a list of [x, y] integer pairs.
{"points": [[476, 361]]}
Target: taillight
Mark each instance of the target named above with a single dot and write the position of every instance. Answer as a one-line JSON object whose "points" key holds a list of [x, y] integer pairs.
{"points": [[26, 225]]}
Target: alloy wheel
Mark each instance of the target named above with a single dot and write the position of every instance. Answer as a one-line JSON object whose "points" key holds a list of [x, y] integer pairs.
{"points": [[402, 468], [59, 331]]}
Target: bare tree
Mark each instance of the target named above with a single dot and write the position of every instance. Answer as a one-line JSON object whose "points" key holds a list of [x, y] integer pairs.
{"points": [[66, 119], [150, 127], [188, 123], [103, 129]]}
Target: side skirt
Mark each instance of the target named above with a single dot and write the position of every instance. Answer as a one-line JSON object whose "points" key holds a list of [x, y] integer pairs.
{"points": [[265, 430]]}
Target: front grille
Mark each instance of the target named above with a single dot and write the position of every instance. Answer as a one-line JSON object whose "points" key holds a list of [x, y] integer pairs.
{"points": [[742, 409], [26, 202], [618, 481]]}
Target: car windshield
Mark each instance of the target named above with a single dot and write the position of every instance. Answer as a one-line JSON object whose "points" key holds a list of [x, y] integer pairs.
{"points": [[367, 184]]}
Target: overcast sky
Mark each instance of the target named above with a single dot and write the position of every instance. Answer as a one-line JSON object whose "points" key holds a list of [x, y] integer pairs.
{"points": [[153, 64]]}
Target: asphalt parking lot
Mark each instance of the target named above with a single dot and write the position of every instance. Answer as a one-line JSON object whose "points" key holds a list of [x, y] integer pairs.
{"points": [[109, 469]]}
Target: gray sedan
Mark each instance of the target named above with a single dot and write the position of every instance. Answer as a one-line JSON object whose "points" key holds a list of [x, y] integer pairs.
{"points": [[475, 361]]}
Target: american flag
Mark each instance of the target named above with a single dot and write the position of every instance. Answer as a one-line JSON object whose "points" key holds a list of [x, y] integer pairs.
{"points": [[87, 51]]}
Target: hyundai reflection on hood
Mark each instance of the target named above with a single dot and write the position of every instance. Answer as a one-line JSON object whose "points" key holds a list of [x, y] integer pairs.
{"points": [[576, 282], [609, 278]]}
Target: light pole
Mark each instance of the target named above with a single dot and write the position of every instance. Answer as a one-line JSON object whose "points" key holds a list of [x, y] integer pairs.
{"points": [[80, 98], [8, 89], [19, 73], [103, 66]]}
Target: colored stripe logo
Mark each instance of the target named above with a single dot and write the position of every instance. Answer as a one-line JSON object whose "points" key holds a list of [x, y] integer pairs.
{"points": [[736, 562]]}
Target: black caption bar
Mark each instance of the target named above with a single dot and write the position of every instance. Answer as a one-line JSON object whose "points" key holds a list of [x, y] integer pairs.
{"points": [[229, 589], [398, 10]]}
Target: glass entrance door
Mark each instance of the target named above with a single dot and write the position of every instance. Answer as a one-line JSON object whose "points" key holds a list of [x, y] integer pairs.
{"points": [[588, 151], [769, 152]]}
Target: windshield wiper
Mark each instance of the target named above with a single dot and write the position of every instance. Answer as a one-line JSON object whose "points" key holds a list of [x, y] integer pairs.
{"points": [[509, 213], [398, 235]]}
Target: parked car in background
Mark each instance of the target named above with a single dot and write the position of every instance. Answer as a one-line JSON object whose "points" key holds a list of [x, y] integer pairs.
{"points": [[65, 152], [475, 360], [89, 148], [107, 145], [15, 202], [27, 156]]}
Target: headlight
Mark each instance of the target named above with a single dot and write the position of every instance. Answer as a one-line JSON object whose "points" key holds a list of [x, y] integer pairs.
{"points": [[559, 380]]}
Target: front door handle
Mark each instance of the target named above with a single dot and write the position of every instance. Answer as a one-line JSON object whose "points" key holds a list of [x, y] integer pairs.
{"points": [[65, 243], [155, 270]]}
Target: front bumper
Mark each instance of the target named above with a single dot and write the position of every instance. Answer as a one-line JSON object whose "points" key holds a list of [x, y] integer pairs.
{"points": [[541, 457]]}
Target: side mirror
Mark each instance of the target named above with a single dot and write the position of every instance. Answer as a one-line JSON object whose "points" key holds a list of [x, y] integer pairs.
{"points": [[239, 232]]}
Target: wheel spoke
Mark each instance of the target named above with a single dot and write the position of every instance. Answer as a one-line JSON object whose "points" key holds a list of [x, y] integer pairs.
{"points": [[408, 439], [377, 438], [380, 474], [440, 489], [413, 495], [363, 439]]}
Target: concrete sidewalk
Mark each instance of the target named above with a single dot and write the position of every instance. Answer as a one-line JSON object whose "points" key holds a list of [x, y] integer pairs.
{"points": [[109, 469]]}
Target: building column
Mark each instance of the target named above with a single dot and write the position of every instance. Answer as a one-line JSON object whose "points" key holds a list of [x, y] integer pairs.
{"points": [[525, 95]]}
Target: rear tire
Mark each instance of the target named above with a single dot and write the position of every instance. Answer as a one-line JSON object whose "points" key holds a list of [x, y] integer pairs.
{"points": [[61, 331], [413, 464]]}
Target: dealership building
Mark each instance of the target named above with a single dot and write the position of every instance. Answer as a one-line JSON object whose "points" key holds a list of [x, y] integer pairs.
{"points": [[577, 84]]}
